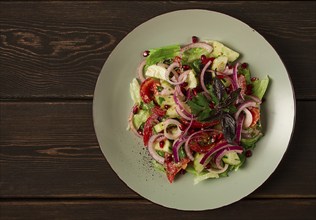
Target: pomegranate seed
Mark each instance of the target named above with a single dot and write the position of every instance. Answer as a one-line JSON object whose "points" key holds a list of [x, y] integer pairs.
{"points": [[140, 132], [182, 127], [253, 79], [184, 84], [161, 144], [146, 53], [166, 106], [135, 109], [183, 90], [195, 39], [248, 153], [186, 67], [244, 65], [203, 58], [220, 76]]}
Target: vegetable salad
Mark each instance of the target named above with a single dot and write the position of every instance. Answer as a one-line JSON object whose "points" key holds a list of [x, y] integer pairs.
{"points": [[196, 109]]}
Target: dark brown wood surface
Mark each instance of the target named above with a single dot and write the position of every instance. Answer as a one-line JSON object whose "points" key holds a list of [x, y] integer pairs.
{"points": [[51, 54]]}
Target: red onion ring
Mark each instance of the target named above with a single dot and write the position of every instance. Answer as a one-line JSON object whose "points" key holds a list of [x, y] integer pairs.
{"points": [[172, 122], [131, 124], [169, 70], [187, 147], [254, 98], [218, 171], [175, 149], [244, 105], [240, 123], [140, 70], [152, 151], [202, 79], [219, 155], [248, 118], [181, 113], [235, 77], [181, 105], [218, 147]]}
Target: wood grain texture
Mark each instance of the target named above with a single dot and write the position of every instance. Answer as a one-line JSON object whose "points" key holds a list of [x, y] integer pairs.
{"points": [[140, 209], [57, 49], [49, 150]]}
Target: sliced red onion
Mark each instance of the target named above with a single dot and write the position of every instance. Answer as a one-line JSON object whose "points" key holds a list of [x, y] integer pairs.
{"points": [[248, 118], [228, 71], [163, 65], [254, 98], [188, 128], [187, 147], [140, 70], [219, 146], [244, 105], [181, 113], [235, 77], [175, 149], [131, 124], [152, 150], [172, 122], [202, 78], [179, 103], [218, 171], [167, 91], [240, 123], [169, 70], [203, 45], [219, 155]]}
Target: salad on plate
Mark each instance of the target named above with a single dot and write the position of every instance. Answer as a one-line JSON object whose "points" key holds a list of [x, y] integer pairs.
{"points": [[196, 109]]}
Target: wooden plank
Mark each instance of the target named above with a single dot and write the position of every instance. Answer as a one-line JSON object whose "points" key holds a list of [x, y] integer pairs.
{"points": [[39, 141], [57, 49], [141, 209]]}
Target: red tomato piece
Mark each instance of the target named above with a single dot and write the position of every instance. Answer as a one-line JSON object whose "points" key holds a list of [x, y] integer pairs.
{"points": [[148, 88], [150, 122], [172, 168], [204, 142], [255, 116]]}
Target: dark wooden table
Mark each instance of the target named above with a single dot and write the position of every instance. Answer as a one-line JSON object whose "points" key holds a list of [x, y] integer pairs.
{"points": [[50, 57]]}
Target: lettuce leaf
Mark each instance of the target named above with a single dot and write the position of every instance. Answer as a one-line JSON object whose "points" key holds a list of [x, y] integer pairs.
{"points": [[134, 89], [157, 55], [260, 86], [194, 54]]}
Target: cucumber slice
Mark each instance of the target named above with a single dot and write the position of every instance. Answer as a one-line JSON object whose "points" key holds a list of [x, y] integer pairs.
{"points": [[159, 127], [166, 147], [196, 163], [231, 158]]}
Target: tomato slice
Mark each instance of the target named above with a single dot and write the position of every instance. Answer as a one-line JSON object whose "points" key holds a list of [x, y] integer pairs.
{"points": [[148, 127], [204, 142], [172, 168], [148, 88], [255, 115]]}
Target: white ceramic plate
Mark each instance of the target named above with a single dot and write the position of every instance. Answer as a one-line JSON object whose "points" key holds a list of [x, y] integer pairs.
{"points": [[125, 153]]}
